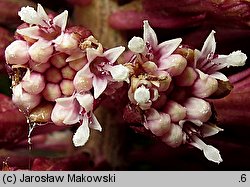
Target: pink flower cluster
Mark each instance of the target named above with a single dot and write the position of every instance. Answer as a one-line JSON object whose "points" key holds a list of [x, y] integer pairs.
{"points": [[61, 74], [171, 84], [56, 68]]}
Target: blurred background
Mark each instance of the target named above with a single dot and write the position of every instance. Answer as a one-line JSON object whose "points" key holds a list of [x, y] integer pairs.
{"points": [[114, 23]]}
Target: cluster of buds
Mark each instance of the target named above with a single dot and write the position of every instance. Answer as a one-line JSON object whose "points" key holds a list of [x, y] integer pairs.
{"points": [[171, 86], [61, 74]]}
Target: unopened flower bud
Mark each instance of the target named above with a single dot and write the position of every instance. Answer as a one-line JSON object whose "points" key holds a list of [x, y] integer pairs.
{"points": [[17, 52], [68, 73], [67, 87], [158, 126], [78, 64], [187, 77], [136, 45], [39, 67], [198, 109], [174, 137], [149, 66], [83, 83], [204, 86], [33, 83], [51, 92], [65, 115], [59, 60], [165, 83], [41, 51], [24, 100], [174, 64], [66, 43], [53, 75], [175, 110]]}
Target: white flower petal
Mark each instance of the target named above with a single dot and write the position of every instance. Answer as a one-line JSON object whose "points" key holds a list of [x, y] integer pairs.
{"points": [[86, 101], [149, 34], [17, 90], [81, 135], [196, 122], [219, 75], [41, 12], [92, 54], [74, 56], [29, 15], [209, 130], [113, 53], [27, 76], [65, 101], [95, 123], [209, 46], [61, 20], [99, 85], [32, 32], [168, 47]]}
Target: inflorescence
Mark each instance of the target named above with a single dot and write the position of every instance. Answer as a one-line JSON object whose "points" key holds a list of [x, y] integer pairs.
{"points": [[61, 74]]}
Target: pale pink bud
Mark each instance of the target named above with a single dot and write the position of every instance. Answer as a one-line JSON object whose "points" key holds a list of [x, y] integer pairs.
{"points": [[158, 124], [175, 110], [66, 43], [68, 73], [174, 137], [41, 51], [17, 52], [24, 100], [51, 92], [174, 64], [39, 67], [66, 113], [33, 83], [53, 75], [67, 87], [149, 66], [165, 83], [204, 86], [59, 60], [86, 101], [83, 83], [187, 77], [78, 64], [198, 109]]}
